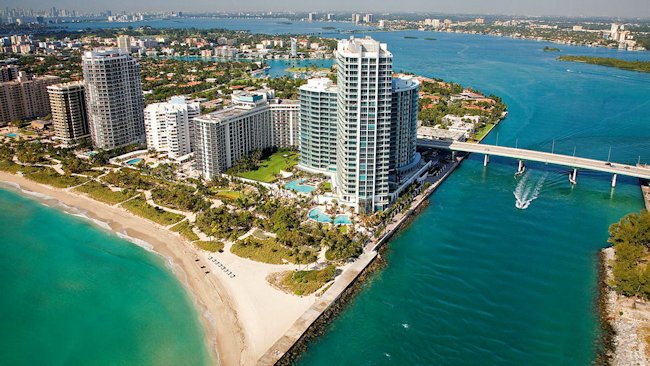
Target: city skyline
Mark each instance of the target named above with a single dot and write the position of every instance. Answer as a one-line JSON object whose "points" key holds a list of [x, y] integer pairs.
{"points": [[577, 8]]}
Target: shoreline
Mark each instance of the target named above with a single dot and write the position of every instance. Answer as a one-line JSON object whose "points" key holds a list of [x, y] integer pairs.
{"points": [[313, 323], [212, 302], [626, 319]]}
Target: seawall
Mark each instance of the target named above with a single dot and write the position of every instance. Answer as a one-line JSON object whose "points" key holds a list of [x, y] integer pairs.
{"points": [[313, 322]]}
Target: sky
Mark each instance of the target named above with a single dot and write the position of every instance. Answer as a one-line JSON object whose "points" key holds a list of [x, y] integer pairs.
{"points": [[610, 8]]}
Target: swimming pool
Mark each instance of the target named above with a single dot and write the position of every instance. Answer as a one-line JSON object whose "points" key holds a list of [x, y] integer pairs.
{"points": [[321, 216], [134, 161], [11, 134], [296, 185]]}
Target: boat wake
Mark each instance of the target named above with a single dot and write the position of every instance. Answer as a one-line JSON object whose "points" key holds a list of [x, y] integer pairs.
{"points": [[527, 191]]}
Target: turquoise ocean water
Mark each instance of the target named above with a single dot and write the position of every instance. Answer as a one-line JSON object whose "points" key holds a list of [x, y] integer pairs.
{"points": [[473, 280], [73, 294]]}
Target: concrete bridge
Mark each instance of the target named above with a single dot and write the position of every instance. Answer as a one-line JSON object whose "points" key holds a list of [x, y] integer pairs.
{"points": [[540, 156]]}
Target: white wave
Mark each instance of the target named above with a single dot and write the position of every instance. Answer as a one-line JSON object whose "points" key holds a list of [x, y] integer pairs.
{"points": [[526, 193]]}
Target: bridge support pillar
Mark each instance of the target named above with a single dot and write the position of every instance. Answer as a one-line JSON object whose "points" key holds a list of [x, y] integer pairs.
{"points": [[614, 181], [573, 175], [486, 159]]}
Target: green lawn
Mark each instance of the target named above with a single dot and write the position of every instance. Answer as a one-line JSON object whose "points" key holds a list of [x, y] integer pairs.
{"points": [[270, 167], [141, 208], [104, 194], [228, 195], [482, 132]]}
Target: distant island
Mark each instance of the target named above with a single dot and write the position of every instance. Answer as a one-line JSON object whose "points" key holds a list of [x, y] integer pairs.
{"points": [[551, 49], [641, 66]]}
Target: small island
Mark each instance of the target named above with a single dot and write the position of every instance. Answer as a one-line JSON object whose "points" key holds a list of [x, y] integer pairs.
{"points": [[640, 66], [551, 49]]}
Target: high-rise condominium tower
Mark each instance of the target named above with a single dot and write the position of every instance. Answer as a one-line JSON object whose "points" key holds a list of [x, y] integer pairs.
{"points": [[69, 116], [318, 114], [364, 77], [169, 126], [114, 98]]}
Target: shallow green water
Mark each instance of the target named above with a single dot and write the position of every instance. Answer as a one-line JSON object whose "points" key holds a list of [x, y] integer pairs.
{"points": [[72, 294]]}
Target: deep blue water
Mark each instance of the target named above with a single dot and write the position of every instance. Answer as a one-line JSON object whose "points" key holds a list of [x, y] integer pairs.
{"points": [[474, 280], [265, 25]]}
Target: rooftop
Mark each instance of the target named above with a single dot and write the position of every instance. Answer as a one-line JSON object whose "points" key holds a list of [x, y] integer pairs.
{"points": [[356, 46], [319, 85]]}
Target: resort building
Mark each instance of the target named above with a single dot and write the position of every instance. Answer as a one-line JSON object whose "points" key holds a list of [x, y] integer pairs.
{"points": [[364, 76], [69, 115], [318, 120], [114, 98], [255, 120], [169, 126], [226, 136], [25, 97], [362, 132]]}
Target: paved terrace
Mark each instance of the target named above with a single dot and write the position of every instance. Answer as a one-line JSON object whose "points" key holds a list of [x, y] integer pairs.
{"points": [[544, 157]]}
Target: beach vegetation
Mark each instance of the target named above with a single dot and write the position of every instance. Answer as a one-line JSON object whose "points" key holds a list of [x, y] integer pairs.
{"points": [[221, 223], [185, 229], [140, 207], [104, 194], [303, 283], [180, 197], [49, 176], [270, 251], [631, 240], [210, 246]]}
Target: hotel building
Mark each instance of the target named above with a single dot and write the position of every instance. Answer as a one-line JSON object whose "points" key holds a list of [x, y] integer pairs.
{"points": [[252, 122]]}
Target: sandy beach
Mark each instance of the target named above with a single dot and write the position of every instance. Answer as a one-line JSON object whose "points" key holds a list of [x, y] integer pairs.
{"points": [[242, 316]]}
